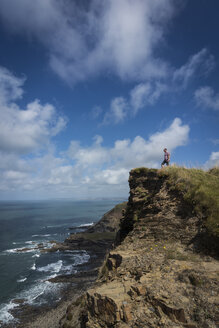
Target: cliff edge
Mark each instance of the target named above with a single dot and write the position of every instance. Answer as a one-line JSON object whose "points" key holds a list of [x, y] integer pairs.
{"points": [[164, 270]]}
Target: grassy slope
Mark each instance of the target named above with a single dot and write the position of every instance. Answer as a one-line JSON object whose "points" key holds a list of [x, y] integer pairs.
{"points": [[199, 188]]}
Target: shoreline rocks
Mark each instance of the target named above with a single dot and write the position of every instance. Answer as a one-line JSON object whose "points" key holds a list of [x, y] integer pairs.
{"points": [[97, 240]]}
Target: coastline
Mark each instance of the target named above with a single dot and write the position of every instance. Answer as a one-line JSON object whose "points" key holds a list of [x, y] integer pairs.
{"points": [[51, 317], [46, 316], [97, 240]]}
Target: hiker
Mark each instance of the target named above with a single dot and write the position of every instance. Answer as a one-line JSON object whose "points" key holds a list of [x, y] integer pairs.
{"points": [[166, 158]]}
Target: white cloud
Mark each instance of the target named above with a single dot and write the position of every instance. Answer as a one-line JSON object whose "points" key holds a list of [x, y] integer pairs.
{"points": [[215, 141], [213, 160], [10, 161], [31, 174], [139, 96], [86, 157], [10, 86], [62, 175], [86, 38], [96, 112], [142, 95], [110, 166], [98, 140], [145, 94], [118, 111], [200, 63], [112, 177], [126, 154], [206, 97], [15, 175], [143, 152], [92, 171], [24, 130]]}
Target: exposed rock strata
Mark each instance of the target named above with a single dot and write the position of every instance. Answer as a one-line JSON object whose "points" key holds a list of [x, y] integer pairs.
{"points": [[158, 275], [97, 238]]}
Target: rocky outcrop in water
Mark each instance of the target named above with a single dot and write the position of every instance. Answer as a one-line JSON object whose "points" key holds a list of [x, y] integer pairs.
{"points": [[96, 239], [162, 272]]}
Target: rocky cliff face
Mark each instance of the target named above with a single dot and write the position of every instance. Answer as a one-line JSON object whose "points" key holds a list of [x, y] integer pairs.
{"points": [[160, 273]]}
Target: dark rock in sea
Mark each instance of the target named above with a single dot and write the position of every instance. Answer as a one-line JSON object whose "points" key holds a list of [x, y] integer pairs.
{"points": [[53, 242], [82, 228], [110, 222], [80, 277], [41, 245], [18, 300], [25, 249]]}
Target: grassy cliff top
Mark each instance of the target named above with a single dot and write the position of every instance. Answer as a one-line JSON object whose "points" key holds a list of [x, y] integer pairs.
{"points": [[199, 188]]}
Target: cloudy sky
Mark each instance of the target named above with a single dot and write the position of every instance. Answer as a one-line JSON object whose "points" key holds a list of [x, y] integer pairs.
{"points": [[90, 89]]}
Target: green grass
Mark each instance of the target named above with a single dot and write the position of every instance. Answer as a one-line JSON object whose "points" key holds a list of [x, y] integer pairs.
{"points": [[120, 206], [200, 189], [143, 170], [95, 236], [104, 270], [175, 255]]}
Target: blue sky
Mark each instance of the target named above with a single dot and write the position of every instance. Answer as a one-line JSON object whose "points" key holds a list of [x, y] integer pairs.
{"points": [[91, 89]]}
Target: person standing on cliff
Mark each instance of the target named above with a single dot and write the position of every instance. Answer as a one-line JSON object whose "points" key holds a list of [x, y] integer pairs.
{"points": [[166, 158]]}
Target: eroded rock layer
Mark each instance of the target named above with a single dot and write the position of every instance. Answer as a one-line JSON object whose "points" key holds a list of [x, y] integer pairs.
{"points": [[161, 274]]}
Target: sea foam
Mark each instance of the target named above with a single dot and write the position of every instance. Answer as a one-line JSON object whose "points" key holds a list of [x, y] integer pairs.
{"points": [[5, 315], [52, 267], [22, 280]]}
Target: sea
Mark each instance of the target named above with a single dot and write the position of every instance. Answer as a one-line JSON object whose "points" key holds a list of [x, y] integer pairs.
{"points": [[26, 227]]}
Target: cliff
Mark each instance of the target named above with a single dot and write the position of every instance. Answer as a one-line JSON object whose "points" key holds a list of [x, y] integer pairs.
{"points": [[164, 270], [96, 239]]}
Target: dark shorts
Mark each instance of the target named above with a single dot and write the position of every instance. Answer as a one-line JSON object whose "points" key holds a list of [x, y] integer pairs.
{"points": [[165, 162]]}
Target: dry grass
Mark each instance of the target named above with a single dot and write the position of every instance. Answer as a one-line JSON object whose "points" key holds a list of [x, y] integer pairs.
{"points": [[199, 188]]}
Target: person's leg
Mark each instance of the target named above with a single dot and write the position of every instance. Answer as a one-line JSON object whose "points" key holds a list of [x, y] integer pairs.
{"points": [[164, 162]]}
